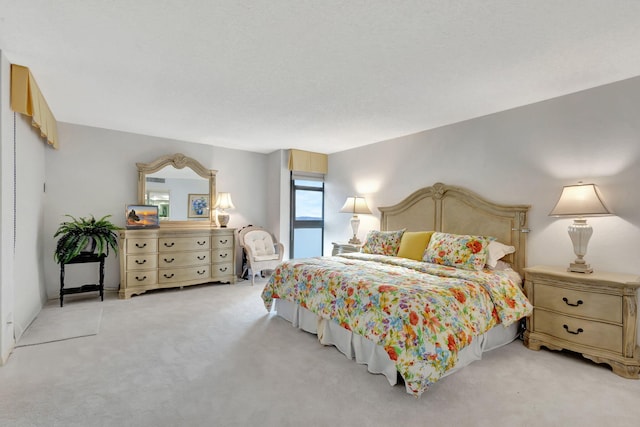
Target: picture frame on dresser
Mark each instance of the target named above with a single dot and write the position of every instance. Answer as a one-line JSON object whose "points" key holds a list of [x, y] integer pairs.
{"points": [[141, 216]]}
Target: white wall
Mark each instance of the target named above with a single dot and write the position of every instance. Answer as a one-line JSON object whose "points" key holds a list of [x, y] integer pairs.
{"points": [[94, 172], [22, 290], [6, 213], [524, 155]]}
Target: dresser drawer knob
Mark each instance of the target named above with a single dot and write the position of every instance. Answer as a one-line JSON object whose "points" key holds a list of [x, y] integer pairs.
{"points": [[223, 255], [140, 262], [201, 257], [566, 301], [168, 276], [201, 272], [222, 270], [138, 245], [169, 245], [169, 261], [580, 330], [201, 243], [141, 279], [224, 242]]}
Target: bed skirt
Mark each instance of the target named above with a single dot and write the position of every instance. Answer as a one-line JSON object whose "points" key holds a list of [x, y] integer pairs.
{"points": [[374, 356]]}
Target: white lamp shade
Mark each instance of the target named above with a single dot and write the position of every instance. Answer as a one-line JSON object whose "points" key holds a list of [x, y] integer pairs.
{"points": [[579, 201], [355, 205], [223, 201]]}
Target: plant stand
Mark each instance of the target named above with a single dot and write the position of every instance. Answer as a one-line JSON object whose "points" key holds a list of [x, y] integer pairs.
{"points": [[82, 259]]}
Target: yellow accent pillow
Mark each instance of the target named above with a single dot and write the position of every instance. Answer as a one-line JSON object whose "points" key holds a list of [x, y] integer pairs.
{"points": [[413, 244]]}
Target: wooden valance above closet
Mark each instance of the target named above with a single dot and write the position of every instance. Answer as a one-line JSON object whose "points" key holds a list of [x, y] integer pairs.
{"points": [[27, 99]]}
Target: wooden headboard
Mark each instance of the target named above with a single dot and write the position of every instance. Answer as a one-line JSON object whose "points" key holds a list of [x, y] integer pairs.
{"points": [[457, 210]]}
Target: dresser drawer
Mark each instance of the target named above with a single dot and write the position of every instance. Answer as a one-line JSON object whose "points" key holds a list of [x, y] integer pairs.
{"points": [[139, 246], [222, 255], [580, 331], [221, 270], [222, 241], [142, 262], [579, 303], [176, 244], [142, 278], [182, 259], [172, 275]]}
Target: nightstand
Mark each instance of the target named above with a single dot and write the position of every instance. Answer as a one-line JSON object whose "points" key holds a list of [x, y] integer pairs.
{"points": [[593, 314], [343, 248]]}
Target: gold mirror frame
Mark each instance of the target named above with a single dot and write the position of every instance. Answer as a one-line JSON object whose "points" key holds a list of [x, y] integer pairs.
{"points": [[178, 161]]}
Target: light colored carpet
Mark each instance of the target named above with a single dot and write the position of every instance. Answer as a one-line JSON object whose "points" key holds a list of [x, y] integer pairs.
{"points": [[212, 356], [55, 323]]}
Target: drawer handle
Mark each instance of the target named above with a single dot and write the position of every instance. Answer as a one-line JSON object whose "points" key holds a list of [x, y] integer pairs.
{"points": [[202, 257], [201, 272], [169, 245], [580, 330], [201, 243], [223, 269], [138, 245], [140, 262], [566, 301], [169, 261], [224, 242], [223, 255], [168, 276], [141, 280]]}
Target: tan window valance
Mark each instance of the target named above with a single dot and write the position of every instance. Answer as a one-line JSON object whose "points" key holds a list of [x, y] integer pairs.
{"points": [[306, 161], [27, 99]]}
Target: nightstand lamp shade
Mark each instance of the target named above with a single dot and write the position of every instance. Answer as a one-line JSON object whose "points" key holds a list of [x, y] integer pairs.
{"points": [[223, 202], [355, 205], [580, 201]]}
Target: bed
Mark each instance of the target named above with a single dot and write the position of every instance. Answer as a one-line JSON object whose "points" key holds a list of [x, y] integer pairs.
{"points": [[420, 317]]}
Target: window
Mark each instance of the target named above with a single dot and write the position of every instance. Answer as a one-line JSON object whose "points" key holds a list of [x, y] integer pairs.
{"points": [[307, 216]]}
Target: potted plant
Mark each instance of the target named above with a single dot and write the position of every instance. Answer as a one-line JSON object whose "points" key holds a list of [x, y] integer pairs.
{"points": [[85, 235]]}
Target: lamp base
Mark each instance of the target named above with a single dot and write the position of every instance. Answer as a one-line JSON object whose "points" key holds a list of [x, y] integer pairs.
{"points": [[580, 268], [223, 219], [355, 241]]}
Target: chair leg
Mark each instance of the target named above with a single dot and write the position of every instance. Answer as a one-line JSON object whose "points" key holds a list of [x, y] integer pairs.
{"points": [[253, 275]]}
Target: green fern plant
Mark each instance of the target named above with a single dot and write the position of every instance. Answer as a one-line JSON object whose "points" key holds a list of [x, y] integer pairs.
{"points": [[77, 234]]}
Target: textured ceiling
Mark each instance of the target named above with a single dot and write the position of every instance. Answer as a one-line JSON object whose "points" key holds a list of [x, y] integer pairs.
{"points": [[323, 76]]}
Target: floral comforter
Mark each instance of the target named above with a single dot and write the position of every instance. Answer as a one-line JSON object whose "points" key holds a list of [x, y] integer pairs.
{"points": [[423, 314]]}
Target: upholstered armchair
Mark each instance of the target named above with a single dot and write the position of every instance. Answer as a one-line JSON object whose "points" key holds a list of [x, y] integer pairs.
{"points": [[262, 250]]}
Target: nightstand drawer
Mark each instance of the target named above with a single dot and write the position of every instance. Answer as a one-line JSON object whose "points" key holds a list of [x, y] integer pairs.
{"points": [[579, 303], [580, 331]]}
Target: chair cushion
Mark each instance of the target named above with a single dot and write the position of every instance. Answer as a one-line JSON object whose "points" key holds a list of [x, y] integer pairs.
{"points": [[260, 242]]}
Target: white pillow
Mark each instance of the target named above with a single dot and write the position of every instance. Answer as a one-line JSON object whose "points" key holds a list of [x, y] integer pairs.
{"points": [[497, 250]]}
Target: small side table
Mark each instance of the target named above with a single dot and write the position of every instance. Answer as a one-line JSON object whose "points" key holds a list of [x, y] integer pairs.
{"points": [[343, 248], [82, 259]]}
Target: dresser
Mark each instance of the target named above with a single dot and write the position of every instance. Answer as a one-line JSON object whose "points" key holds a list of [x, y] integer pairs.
{"points": [[592, 314], [175, 257]]}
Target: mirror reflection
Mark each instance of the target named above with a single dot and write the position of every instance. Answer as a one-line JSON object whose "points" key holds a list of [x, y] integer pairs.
{"points": [[180, 194], [180, 186]]}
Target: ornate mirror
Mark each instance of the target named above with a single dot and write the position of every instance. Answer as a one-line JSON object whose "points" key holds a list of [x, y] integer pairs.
{"points": [[180, 186]]}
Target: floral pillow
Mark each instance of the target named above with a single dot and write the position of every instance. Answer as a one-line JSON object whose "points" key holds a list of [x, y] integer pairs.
{"points": [[382, 242], [457, 250]]}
